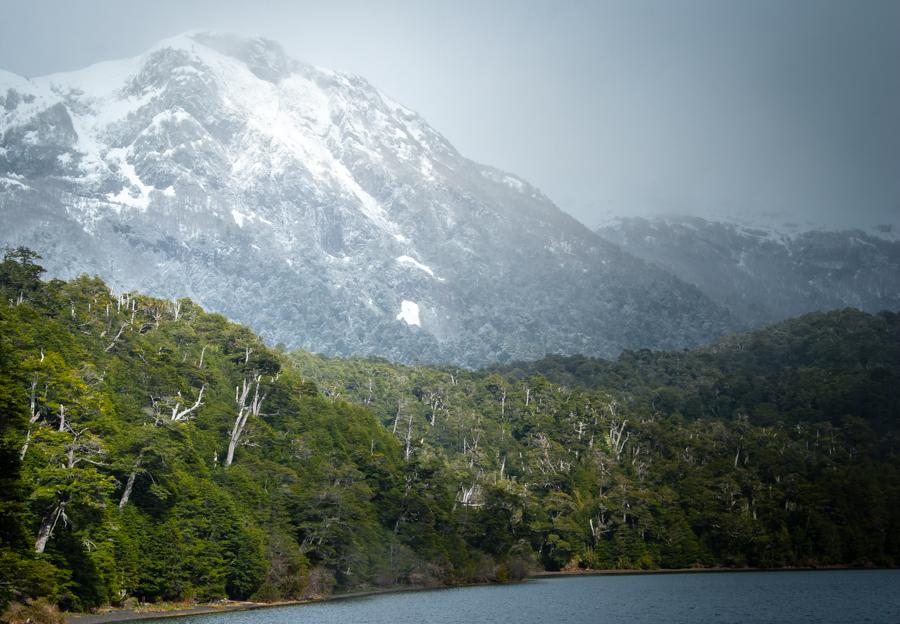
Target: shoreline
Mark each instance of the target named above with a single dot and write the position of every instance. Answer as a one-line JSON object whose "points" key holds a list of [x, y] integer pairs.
{"points": [[711, 570], [115, 616]]}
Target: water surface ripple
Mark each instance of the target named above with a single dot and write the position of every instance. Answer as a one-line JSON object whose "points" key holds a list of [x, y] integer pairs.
{"points": [[863, 596]]}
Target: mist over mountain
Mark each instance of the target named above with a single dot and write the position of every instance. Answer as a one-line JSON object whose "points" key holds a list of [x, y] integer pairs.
{"points": [[429, 374], [317, 210], [763, 274]]}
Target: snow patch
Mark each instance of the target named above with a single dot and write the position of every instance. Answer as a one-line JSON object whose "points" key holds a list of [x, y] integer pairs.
{"points": [[10, 182], [426, 169], [124, 196], [514, 183], [886, 231], [412, 262], [409, 313]]}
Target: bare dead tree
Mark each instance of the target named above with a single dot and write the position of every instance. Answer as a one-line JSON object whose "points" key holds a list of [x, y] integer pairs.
{"points": [[125, 325], [157, 315], [408, 451], [435, 402], [640, 461], [579, 426], [129, 484], [332, 392], [34, 414], [62, 417], [48, 525], [179, 415], [601, 526], [397, 417], [617, 437], [245, 410], [466, 496], [172, 406], [77, 451]]}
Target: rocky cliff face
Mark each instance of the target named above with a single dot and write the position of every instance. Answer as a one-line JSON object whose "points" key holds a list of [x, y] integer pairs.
{"points": [[314, 208], [765, 274]]}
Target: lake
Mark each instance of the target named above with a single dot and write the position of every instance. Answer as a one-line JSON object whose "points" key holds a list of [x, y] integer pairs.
{"points": [[748, 597]]}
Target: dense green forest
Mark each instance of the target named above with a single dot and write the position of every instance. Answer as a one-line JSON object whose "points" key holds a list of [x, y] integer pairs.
{"points": [[151, 450]]}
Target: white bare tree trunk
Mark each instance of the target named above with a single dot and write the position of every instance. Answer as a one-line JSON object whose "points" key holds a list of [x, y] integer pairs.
{"points": [[368, 400], [118, 335], [397, 417], [25, 446], [408, 452], [48, 525], [436, 402], [244, 412], [617, 438], [32, 402], [466, 495], [179, 415], [129, 485]]}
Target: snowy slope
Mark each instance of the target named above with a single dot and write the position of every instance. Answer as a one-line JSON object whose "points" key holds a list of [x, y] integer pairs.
{"points": [[311, 206], [766, 273]]}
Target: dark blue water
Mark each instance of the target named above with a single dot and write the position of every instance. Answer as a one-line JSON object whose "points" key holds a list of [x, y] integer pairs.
{"points": [[747, 597]]}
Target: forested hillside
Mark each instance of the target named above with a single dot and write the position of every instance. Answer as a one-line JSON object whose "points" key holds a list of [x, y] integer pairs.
{"points": [[153, 450], [772, 448], [119, 415]]}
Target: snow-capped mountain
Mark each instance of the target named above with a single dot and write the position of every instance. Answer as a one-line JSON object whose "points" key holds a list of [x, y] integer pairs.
{"points": [[317, 210], [764, 274]]}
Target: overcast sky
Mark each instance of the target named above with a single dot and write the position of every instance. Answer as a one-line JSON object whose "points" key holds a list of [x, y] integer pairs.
{"points": [[753, 108]]}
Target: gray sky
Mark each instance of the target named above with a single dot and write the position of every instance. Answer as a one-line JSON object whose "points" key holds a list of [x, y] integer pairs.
{"points": [[746, 108]]}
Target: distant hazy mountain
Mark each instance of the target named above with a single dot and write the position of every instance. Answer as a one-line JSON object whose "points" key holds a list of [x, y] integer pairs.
{"points": [[314, 208], [763, 274]]}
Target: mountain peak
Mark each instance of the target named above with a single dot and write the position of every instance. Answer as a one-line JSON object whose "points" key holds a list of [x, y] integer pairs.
{"points": [[264, 57], [313, 207]]}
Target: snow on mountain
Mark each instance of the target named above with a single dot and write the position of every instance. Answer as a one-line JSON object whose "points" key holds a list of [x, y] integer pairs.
{"points": [[768, 273], [316, 209]]}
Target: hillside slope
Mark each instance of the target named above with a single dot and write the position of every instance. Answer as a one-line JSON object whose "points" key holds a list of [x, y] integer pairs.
{"points": [[152, 450], [314, 208], [763, 275]]}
